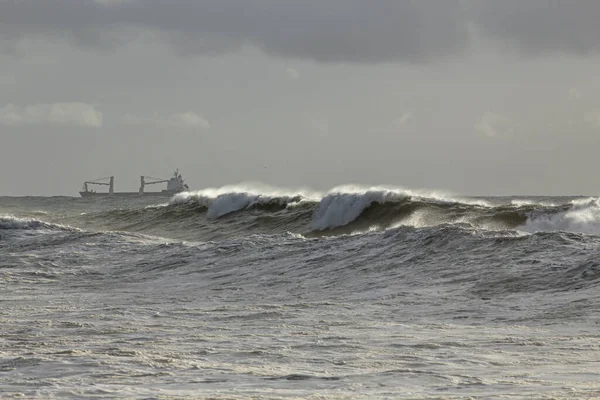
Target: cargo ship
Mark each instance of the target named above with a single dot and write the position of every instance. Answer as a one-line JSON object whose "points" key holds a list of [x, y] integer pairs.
{"points": [[175, 185]]}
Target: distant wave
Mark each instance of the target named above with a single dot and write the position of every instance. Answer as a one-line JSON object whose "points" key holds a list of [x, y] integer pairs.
{"points": [[9, 222], [240, 211], [30, 234]]}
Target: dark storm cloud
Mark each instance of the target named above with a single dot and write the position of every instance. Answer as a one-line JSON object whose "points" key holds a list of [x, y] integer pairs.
{"points": [[322, 30]]}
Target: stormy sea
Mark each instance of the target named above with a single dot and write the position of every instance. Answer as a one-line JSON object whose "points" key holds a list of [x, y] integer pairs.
{"points": [[239, 292]]}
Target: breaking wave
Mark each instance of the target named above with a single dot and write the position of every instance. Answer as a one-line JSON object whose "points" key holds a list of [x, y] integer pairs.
{"points": [[213, 214], [218, 205], [582, 216], [349, 209]]}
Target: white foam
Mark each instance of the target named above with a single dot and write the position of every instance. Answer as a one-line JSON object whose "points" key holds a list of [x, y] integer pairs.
{"points": [[522, 202], [429, 194], [529, 202], [582, 217]]}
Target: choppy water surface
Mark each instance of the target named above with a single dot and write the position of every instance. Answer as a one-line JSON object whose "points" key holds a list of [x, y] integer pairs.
{"points": [[357, 293]]}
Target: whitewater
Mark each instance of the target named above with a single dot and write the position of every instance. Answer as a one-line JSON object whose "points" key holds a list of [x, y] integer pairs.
{"points": [[249, 291]]}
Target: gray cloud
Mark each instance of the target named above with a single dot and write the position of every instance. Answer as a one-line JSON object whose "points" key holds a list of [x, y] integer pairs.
{"points": [[327, 31], [536, 27], [322, 30]]}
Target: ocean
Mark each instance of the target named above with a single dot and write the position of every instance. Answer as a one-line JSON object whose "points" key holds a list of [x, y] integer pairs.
{"points": [[239, 292]]}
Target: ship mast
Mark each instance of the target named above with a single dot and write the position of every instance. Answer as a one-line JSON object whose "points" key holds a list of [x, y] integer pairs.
{"points": [[143, 182]]}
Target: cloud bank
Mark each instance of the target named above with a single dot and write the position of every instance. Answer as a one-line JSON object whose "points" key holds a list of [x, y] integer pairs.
{"points": [[352, 31]]}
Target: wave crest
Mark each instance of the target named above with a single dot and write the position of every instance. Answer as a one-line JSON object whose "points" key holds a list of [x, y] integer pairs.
{"points": [[9, 222], [213, 214], [225, 203], [583, 216]]}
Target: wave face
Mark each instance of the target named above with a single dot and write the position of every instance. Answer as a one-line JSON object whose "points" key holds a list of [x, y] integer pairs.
{"points": [[270, 293]]}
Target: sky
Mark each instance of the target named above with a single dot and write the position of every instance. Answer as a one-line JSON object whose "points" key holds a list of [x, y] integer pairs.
{"points": [[476, 97]]}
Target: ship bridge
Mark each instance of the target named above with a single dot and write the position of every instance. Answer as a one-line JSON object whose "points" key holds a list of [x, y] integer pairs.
{"points": [[174, 185]]}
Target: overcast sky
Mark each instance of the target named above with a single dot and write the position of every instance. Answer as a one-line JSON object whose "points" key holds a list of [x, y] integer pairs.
{"points": [[471, 96]]}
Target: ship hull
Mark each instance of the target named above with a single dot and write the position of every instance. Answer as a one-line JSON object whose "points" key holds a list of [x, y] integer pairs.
{"points": [[164, 193]]}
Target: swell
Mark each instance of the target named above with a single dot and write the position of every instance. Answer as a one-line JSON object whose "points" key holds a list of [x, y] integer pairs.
{"points": [[475, 263]]}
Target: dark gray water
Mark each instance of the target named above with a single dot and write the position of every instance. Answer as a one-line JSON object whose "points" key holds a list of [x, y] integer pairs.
{"points": [[227, 293]]}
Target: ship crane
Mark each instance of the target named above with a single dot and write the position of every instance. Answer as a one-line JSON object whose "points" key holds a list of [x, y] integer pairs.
{"points": [[174, 185], [110, 183], [143, 182]]}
